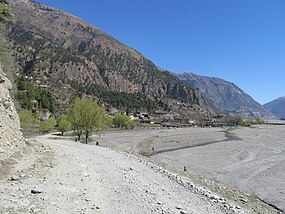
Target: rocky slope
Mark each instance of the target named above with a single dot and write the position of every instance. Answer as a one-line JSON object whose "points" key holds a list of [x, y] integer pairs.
{"points": [[276, 107], [225, 97], [11, 141], [56, 47]]}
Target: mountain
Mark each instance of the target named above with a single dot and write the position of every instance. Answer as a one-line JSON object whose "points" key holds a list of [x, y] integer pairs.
{"points": [[70, 56], [225, 97], [276, 107]]}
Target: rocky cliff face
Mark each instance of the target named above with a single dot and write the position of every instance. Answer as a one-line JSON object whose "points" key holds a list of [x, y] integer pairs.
{"points": [[53, 46], [11, 139], [276, 107], [225, 97]]}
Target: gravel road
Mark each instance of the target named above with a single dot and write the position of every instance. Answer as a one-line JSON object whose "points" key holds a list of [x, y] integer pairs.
{"points": [[61, 176]]}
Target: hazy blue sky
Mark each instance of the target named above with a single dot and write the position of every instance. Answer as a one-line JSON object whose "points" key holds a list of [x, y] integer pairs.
{"points": [[242, 41]]}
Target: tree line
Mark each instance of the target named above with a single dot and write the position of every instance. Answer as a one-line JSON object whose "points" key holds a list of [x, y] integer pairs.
{"points": [[120, 100], [83, 117], [27, 93]]}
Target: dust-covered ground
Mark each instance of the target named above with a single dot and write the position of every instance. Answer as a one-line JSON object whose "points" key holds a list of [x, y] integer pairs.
{"points": [[248, 159]]}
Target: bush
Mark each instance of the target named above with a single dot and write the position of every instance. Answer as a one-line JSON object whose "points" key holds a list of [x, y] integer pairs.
{"points": [[259, 121], [248, 123], [132, 124], [123, 121], [109, 121], [120, 120], [27, 119], [64, 125], [4, 9], [47, 125]]}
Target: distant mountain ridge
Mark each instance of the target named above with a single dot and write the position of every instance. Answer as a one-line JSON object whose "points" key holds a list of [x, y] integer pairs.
{"points": [[276, 107], [59, 49], [224, 96]]}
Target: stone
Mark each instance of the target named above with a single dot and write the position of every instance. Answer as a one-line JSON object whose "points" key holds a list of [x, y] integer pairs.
{"points": [[37, 190], [178, 207], [1, 150], [243, 200], [14, 178]]}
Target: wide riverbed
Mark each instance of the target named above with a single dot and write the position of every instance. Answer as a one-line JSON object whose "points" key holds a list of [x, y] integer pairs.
{"points": [[249, 159]]}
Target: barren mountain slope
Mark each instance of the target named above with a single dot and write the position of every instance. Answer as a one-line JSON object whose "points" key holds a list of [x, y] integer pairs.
{"points": [[276, 107], [225, 97]]}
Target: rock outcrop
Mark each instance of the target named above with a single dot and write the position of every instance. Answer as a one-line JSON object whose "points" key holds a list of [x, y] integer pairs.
{"points": [[12, 142]]}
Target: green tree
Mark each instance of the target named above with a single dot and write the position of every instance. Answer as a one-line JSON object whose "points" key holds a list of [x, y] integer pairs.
{"points": [[123, 121], [87, 116], [27, 92], [64, 125], [132, 124], [259, 121], [47, 125], [108, 121], [120, 120], [248, 123], [4, 9], [27, 119]]}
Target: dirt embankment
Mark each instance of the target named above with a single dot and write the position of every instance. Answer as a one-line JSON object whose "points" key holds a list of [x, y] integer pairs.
{"points": [[12, 143]]}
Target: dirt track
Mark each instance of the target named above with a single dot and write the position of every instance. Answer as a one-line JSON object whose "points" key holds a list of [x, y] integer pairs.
{"points": [[77, 178]]}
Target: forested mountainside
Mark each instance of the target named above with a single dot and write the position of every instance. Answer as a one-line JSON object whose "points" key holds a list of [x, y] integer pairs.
{"points": [[67, 54]]}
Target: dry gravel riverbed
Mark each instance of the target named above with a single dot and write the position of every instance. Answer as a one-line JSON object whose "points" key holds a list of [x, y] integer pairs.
{"points": [[248, 159]]}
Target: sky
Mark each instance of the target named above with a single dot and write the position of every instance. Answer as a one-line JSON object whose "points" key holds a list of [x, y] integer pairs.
{"points": [[241, 41]]}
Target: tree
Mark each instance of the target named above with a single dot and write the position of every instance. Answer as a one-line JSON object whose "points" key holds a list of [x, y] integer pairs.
{"points": [[4, 9], [87, 116], [120, 120], [64, 124], [235, 120], [27, 119], [259, 121], [248, 123], [123, 121], [47, 125]]}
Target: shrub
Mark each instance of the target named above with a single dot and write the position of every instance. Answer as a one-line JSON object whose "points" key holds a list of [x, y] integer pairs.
{"points": [[64, 125], [259, 121], [123, 121], [27, 119], [248, 123], [47, 125]]}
